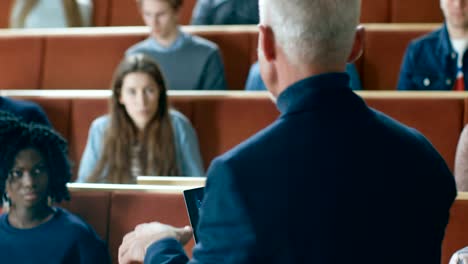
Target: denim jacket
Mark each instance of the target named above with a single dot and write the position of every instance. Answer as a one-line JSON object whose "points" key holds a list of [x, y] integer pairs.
{"points": [[430, 63]]}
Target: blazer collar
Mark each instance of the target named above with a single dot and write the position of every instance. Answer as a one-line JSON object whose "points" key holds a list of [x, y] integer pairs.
{"points": [[312, 92]]}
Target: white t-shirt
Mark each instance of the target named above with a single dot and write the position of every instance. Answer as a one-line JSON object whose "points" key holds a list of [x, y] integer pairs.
{"points": [[50, 14], [460, 45]]}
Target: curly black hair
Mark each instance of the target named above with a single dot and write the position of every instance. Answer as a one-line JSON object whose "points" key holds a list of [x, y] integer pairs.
{"points": [[16, 135]]}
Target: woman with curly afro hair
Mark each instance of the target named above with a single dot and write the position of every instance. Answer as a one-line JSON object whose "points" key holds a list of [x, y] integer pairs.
{"points": [[34, 170]]}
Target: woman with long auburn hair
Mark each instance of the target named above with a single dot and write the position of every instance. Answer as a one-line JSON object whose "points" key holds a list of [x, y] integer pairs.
{"points": [[141, 135], [51, 13]]}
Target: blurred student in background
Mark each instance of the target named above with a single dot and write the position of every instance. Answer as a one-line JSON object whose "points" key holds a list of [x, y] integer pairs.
{"points": [[255, 83], [227, 12], [437, 61], [34, 170], [25, 110], [51, 13], [187, 62], [141, 135]]}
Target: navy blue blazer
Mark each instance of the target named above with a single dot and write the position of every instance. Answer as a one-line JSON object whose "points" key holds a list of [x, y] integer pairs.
{"points": [[330, 181]]}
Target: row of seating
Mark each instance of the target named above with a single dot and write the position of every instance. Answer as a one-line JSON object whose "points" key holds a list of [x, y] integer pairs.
{"points": [[220, 125], [86, 58], [114, 211], [125, 12]]}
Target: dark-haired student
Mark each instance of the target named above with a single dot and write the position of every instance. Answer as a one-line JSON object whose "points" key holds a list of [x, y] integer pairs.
{"points": [[34, 170]]}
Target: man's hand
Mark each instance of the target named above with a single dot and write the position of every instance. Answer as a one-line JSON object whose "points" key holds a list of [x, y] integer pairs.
{"points": [[135, 243]]}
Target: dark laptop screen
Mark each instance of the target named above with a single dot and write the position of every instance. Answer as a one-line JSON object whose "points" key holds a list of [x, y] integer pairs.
{"points": [[193, 199]]}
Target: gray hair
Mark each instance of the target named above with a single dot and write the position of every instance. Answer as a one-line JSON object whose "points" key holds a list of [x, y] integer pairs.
{"points": [[312, 31]]}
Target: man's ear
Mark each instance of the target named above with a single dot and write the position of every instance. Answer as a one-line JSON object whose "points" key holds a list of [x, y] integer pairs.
{"points": [[266, 42], [358, 45]]}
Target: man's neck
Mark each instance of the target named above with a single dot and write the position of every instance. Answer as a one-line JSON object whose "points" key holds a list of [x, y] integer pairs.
{"points": [[168, 40], [293, 74], [457, 32], [284, 73]]}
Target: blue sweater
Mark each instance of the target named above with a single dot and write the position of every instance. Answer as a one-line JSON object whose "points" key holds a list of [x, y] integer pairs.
{"points": [[63, 239], [190, 63]]}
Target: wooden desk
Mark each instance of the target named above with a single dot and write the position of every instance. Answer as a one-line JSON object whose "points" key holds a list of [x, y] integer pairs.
{"points": [[171, 181]]}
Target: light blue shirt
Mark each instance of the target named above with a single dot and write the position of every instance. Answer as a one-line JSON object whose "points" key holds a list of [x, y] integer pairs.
{"points": [[188, 156]]}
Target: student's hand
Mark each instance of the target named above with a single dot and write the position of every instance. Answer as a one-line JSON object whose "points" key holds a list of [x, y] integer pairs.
{"points": [[135, 243]]}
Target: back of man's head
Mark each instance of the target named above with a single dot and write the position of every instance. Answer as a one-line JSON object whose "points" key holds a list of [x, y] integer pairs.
{"points": [[313, 31]]}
